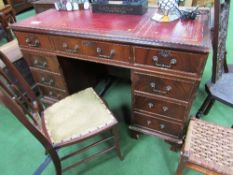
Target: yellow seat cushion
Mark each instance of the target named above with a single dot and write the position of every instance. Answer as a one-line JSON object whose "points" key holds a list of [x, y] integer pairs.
{"points": [[76, 116]]}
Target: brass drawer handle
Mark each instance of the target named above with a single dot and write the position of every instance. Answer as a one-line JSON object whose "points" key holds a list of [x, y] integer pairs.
{"points": [[67, 49], [40, 64], [165, 91], [173, 61], [35, 43], [110, 56], [148, 122], [48, 82], [165, 108], [150, 105], [162, 126], [51, 94]]}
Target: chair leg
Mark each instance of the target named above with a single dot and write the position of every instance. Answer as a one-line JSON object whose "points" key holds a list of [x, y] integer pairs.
{"points": [[116, 142], [56, 161], [181, 166], [206, 106]]}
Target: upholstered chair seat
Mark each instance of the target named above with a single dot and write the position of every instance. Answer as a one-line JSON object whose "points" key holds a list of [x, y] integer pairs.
{"points": [[76, 116]]}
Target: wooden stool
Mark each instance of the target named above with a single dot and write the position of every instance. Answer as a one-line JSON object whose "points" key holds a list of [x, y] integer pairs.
{"points": [[7, 16], [208, 149]]}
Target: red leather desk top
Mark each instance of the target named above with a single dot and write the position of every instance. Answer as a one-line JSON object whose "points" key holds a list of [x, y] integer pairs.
{"points": [[125, 28]]}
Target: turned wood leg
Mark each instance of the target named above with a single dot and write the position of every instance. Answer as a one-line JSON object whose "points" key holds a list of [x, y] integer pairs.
{"points": [[116, 142], [174, 146], [181, 166], [135, 134], [206, 106]]}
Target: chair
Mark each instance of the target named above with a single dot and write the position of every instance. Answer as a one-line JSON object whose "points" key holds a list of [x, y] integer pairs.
{"points": [[220, 87], [73, 119], [7, 15], [12, 51], [208, 149]]}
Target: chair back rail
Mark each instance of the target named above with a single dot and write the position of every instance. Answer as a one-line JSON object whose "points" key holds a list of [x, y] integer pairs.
{"points": [[221, 16], [14, 99], [18, 112], [20, 91], [22, 84]]}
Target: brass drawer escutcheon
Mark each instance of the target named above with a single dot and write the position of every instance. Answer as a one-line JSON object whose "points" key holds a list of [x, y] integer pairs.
{"points": [[162, 126], [150, 105]]}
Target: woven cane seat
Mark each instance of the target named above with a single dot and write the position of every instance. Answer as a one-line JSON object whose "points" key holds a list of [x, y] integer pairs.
{"points": [[76, 116], [210, 146]]}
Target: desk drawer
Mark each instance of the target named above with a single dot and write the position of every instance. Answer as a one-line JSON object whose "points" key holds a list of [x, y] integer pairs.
{"points": [[173, 60], [156, 124], [101, 50], [49, 79], [107, 51], [165, 108], [43, 62], [34, 40], [163, 86], [68, 45], [53, 93]]}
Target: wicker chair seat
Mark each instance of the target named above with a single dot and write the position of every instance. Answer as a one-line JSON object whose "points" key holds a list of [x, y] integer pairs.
{"points": [[210, 146], [223, 90], [76, 116]]}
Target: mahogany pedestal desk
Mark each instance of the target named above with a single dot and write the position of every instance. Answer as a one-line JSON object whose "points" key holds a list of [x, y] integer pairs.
{"points": [[166, 61]]}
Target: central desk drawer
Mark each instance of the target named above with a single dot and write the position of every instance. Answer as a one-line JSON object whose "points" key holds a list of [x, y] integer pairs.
{"points": [[108, 51], [43, 62], [100, 50], [49, 79], [163, 86], [165, 108], [173, 60], [156, 124], [68, 45]]}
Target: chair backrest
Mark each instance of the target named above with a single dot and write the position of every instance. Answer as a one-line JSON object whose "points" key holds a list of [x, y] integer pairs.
{"points": [[221, 16], [19, 98], [22, 102]]}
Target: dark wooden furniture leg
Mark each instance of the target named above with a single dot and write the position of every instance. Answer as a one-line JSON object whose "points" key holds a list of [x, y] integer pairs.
{"points": [[6, 28], [7, 16], [116, 142], [174, 146], [135, 134], [108, 82], [205, 107], [181, 166]]}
